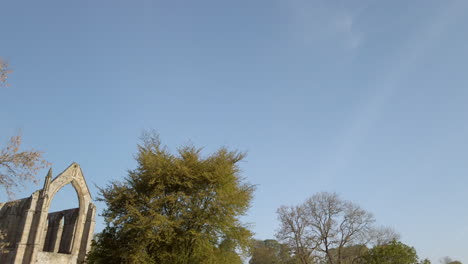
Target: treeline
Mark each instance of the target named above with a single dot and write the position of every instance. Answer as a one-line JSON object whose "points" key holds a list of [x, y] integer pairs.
{"points": [[185, 208], [392, 252], [328, 229]]}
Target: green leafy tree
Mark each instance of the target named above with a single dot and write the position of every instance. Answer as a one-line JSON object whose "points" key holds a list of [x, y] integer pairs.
{"points": [[271, 251], [394, 252], [448, 260], [178, 208], [349, 254], [226, 253]]}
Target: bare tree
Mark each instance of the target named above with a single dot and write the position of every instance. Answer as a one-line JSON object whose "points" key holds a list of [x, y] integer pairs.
{"points": [[18, 167], [327, 224], [338, 223], [382, 235], [4, 71], [296, 233]]}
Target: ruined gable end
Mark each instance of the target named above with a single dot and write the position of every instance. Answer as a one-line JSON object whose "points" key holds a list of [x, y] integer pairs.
{"points": [[29, 233]]}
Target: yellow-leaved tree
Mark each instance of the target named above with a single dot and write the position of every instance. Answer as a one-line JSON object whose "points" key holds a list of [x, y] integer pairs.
{"points": [[181, 208]]}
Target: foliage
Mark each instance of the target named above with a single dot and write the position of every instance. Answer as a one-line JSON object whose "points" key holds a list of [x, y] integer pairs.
{"points": [[448, 260], [271, 251], [349, 254], [393, 253], [323, 226], [226, 253], [18, 167], [176, 209]]}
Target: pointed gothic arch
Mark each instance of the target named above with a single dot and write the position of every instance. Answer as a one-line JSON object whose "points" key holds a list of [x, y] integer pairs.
{"points": [[35, 222]]}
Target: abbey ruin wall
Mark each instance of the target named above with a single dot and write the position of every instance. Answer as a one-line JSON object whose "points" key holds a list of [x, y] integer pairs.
{"points": [[29, 233]]}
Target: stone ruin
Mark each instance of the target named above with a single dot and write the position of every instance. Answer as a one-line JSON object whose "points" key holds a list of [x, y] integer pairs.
{"points": [[30, 234]]}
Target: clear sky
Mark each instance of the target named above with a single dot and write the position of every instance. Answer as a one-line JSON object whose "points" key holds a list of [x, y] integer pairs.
{"points": [[365, 98]]}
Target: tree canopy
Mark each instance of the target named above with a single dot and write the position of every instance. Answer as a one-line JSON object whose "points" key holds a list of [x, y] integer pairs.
{"points": [[271, 251], [323, 226], [178, 208], [394, 252], [448, 260]]}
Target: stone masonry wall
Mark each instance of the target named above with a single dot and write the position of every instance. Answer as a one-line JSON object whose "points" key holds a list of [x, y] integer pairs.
{"points": [[12, 214], [29, 234]]}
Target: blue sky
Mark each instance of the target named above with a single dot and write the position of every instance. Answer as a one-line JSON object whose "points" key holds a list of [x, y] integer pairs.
{"points": [[365, 98]]}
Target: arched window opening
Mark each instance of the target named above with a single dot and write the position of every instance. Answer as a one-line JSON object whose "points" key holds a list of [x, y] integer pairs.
{"points": [[61, 221]]}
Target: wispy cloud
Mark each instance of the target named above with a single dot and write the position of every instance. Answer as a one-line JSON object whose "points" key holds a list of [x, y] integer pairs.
{"points": [[411, 54], [324, 22], [345, 26]]}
